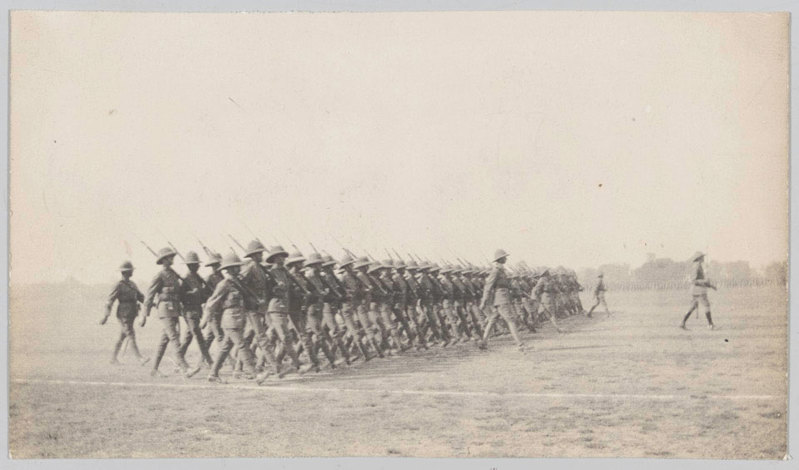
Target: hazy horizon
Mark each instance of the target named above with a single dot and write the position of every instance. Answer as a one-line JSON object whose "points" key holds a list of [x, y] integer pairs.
{"points": [[604, 137]]}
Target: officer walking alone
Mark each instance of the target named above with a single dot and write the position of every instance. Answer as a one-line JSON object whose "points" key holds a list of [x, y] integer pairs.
{"points": [[128, 297]]}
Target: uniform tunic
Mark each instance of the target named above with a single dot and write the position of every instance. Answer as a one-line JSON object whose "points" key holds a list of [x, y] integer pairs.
{"points": [[127, 296]]}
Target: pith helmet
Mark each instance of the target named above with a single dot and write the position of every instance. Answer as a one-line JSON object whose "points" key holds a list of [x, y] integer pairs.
{"points": [[314, 259], [230, 260], [362, 261], [215, 258], [435, 268], [191, 258], [165, 253], [126, 266], [375, 266], [412, 265], [388, 264], [601, 275], [499, 254], [295, 257], [697, 256], [347, 260], [400, 264], [254, 247], [328, 261], [275, 251]]}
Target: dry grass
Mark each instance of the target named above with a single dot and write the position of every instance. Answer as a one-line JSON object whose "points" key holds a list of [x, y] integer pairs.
{"points": [[641, 388]]}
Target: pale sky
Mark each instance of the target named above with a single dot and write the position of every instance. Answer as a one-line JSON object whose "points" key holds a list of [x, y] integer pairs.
{"points": [[565, 138]]}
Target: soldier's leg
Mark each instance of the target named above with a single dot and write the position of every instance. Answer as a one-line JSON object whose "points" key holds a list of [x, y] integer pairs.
{"points": [[391, 325], [224, 350], [261, 338], [246, 357], [372, 330], [280, 322], [122, 335], [159, 354], [694, 306], [171, 326], [130, 334], [489, 327], [591, 310], [706, 304], [194, 326], [506, 312], [348, 314]]}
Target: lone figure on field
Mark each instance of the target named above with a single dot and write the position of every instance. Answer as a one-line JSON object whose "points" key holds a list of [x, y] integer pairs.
{"points": [[599, 295], [699, 290], [127, 297]]}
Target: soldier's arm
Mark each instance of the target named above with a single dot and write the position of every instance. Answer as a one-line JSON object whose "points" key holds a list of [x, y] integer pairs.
{"points": [[155, 288], [214, 303], [489, 286], [139, 295], [110, 303]]}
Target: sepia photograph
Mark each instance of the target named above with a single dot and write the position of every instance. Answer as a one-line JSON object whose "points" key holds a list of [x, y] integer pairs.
{"points": [[434, 234]]}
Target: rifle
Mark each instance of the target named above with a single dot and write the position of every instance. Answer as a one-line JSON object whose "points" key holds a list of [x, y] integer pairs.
{"points": [[207, 250], [314, 249], [237, 243], [398, 256], [176, 250]]}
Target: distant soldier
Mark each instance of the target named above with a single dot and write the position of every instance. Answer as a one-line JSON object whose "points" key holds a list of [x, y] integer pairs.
{"points": [[164, 294], [599, 295], [544, 292], [320, 294], [699, 291], [193, 295], [127, 296], [497, 286], [228, 300], [301, 297], [405, 305]]}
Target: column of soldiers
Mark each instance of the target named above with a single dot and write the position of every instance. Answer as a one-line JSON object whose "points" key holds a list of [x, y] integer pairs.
{"points": [[276, 306]]}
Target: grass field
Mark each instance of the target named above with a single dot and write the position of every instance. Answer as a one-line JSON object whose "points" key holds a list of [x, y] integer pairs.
{"points": [[629, 385]]}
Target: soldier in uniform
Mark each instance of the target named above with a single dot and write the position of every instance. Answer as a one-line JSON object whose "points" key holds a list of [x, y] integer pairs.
{"points": [[332, 303], [320, 294], [386, 303], [255, 278], [213, 330], [164, 294], [599, 294], [544, 292], [355, 294], [300, 299], [431, 296], [699, 291], [415, 303], [193, 295], [497, 286], [402, 299], [127, 296], [278, 308], [228, 300], [367, 310]]}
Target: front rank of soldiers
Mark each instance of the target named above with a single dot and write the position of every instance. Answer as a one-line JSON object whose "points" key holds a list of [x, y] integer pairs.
{"points": [[256, 313]]}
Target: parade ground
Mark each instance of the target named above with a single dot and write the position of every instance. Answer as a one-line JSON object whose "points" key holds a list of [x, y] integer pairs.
{"points": [[629, 385]]}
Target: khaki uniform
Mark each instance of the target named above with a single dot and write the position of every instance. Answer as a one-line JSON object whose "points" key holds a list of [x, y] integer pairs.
{"points": [[164, 293], [498, 284], [127, 297]]}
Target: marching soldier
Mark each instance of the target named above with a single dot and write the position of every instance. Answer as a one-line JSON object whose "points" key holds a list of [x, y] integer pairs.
{"points": [[497, 285], [127, 296], [599, 294], [193, 295], [164, 294], [228, 300], [386, 303], [544, 292], [299, 301], [355, 294], [320, 294], [213, 330], [332, 303], [257, 280], [278, 308], [367, 310], [699, 291], [402, 302]]}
